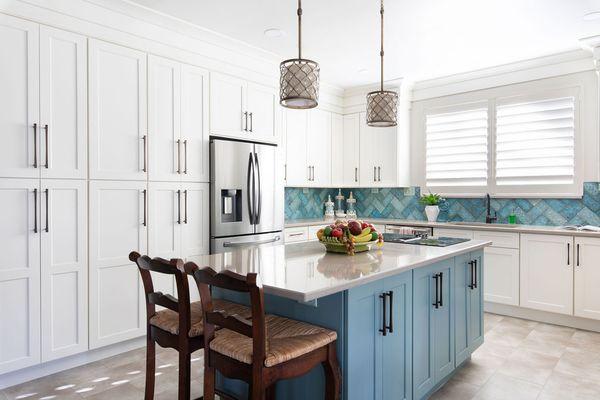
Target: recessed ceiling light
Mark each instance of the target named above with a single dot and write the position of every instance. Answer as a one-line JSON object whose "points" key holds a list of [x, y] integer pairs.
{"points": [[592, 16], [273, 33]]}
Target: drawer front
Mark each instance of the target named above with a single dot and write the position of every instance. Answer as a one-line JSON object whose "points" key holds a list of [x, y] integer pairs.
{"points": [[454, 233], [299, 234], [312, 231], [507, 240]]}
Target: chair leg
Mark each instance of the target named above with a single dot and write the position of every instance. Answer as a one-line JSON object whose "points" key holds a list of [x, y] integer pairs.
{"points": [[150, 368], [184, 375], [209, 382], [332, 374], [257, 390], [271, 392]]}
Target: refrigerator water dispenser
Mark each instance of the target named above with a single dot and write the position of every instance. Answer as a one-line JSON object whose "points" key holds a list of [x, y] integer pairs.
{"points": [[231, 205]]}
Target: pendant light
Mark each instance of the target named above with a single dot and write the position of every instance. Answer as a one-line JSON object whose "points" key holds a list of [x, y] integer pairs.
{"points": [[382, 104], [299, 81]]}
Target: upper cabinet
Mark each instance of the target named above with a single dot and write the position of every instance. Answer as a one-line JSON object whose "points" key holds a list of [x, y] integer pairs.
{"points": [[345, 150], [177, 121], [241, 109], [378, 155], [44, 101], [296, 167], [117, 112]]}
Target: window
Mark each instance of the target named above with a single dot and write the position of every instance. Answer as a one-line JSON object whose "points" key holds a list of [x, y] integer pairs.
{"points": [[508, 146], [457, 148]]}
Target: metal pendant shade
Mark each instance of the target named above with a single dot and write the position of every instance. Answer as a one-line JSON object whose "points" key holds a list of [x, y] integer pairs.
{"points": [[299, 79], [382, 105]]}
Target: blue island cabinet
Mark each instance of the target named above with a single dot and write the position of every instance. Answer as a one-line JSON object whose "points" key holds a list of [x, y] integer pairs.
{"points": [[378, 353], [433, 327]]}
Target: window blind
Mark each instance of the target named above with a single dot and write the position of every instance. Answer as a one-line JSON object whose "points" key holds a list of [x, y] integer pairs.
{"points": [[535, 142], [456, 148]]}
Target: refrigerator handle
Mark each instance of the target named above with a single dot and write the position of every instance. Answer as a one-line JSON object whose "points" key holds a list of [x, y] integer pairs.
{"points": [[259, 194], [250, 186]]}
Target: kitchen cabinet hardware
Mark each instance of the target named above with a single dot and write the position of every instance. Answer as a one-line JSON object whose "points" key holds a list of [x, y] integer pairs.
{"points": [[355, 174], [145, 140], [472, 273], [436, 278], [178, 156], [374, 174], [35, 151], [578, 254], [475, 275], [378, 174], [285, 172], [245, 121], [390, 295], [145, 193], [185, 207], [383, 330], [568, 253], [35, 219], [47, 192], [179, 207], [296, 234], [47, 151], [250, 115], [441, 301], [185, 169]]}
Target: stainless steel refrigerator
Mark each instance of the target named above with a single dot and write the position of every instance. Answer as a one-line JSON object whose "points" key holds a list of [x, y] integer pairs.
{"points": [[246, 195]]}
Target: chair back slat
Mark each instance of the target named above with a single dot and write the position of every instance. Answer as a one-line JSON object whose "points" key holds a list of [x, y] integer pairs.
{"points": [[232, 322], [164, 300], [226, 280]]}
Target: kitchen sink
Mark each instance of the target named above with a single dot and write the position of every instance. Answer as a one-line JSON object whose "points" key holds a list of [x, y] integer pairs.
{"points": [[482, 224]]}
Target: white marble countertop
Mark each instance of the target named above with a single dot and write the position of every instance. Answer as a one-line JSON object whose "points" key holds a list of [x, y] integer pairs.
{"points": [[305, 272], [546, 230]]}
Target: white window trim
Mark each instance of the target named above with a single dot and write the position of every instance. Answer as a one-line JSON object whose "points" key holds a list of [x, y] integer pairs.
{"points": [[574, 190]]}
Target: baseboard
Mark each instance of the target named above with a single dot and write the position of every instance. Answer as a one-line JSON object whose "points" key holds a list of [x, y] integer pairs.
{"points": [[543, 316], [37, 371]]}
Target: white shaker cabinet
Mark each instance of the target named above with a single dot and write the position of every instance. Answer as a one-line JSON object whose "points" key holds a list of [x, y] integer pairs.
{"points": [[547, 264], [117, 112], [64, 269], [177, 121], [296, 167], [19, 273], [378, 155], [63, 104], [118, 220], [241, 109], [319, 148], [19, 102], [501, 278], [350, 150], [587, 276]]}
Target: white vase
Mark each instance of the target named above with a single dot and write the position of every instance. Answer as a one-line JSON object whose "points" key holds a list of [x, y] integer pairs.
{"points": [[432, 213]]}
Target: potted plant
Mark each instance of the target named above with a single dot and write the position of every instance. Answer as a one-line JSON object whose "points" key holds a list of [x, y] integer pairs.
{"points": [[432, 205]]}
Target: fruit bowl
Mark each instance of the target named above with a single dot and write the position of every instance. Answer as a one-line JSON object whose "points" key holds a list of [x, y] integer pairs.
{"points": [[349, 236]]}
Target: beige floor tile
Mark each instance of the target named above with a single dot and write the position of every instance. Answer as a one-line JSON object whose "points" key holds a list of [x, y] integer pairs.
{"points": [[502, 387], [552, 344], [580, 362], [455, 390], [474, 373], [529, 366], [491, 320], [561, 386], [586, 339]]}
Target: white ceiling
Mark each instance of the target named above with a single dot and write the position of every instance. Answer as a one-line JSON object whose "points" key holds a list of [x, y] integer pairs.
{"points": [[424, 38]]}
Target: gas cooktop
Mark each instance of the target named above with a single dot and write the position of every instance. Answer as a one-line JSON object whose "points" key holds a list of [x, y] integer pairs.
{"points": [[422, 241]]}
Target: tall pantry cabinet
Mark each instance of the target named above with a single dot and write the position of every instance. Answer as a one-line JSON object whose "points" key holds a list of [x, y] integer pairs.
{"points": [[43, 196]]}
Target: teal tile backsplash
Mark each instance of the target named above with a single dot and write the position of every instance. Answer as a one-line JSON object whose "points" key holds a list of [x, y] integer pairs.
{"points": [[392, 203]]}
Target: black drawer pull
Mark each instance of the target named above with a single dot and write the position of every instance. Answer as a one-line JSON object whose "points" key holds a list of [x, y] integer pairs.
{"points": [[383, 330], [436, 304]]}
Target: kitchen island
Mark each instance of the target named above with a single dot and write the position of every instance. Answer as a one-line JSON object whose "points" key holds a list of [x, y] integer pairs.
{"points": [[406, 316]]}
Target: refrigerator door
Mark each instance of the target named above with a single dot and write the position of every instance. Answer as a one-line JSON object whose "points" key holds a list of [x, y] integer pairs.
{"points": [[223, 245], [231, 184], [269, 190]]}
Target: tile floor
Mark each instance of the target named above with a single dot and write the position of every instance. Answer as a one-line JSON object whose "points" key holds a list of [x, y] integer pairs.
{"points": [[520, 360]]}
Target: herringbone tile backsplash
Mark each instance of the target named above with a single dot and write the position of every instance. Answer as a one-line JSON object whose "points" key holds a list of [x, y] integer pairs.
{"points": [[393, 203]]}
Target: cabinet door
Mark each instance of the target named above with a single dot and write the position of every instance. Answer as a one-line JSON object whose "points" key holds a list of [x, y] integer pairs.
{"points": [[64, 268], [261, 101], [63, 104], [476, 303], [387, 168], [454, 233], [443, 323], [369, 154], [350, 149], [227, 106], [164, 120], [296, 169], [19, 274], [501, 282], [424, 295], [337, 149], [397, 345], [194, 123], [117, 227], [547, 273], [587, 276], [19, 83], [365, 311], [463, 275], [319, 147], [117, 112]]}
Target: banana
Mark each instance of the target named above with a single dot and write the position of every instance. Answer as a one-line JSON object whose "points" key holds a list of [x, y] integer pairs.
{"points": [[363, 239]]}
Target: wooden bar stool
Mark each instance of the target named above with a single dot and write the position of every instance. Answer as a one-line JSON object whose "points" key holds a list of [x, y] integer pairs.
{"points": [[262, 350], [179, 326]]}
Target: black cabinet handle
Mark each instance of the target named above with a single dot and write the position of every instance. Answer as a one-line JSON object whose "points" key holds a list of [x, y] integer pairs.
{"points": [[475, 269], [472, 284], [179, 207], [568, 253], [578, 254], [383, 330], [441, 302], [436, 304], [47, 192], [390, 326]]}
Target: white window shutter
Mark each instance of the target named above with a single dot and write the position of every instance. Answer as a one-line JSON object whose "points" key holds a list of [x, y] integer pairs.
{"points": [[457, 148], [535, 142]]}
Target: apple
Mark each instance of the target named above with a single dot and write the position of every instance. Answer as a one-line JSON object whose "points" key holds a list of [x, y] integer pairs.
{"points": [[364, 225], [355, 228], [337, 233]]}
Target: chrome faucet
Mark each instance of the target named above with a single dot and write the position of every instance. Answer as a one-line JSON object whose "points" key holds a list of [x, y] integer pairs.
{"points": [[488, 216]]}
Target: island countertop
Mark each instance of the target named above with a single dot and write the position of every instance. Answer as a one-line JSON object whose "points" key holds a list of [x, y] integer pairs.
{"points": [[305, 272]]}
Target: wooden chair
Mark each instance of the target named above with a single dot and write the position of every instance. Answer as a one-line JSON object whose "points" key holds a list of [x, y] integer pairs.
{"points": [[179, 325], [262, 350]]}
